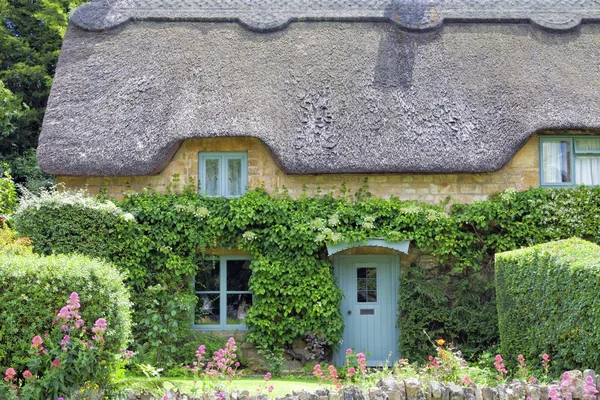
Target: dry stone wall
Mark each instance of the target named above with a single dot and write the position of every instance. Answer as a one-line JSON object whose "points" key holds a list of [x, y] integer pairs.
{"points": [[391, 388]]}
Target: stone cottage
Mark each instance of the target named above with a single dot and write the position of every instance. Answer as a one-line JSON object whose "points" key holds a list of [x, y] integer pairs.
{"points": [[425, 98]]}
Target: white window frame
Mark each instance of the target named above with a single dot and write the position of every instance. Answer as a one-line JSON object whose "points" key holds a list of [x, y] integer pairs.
{"points": [[573, 155], [223, 158], [222, 292]]}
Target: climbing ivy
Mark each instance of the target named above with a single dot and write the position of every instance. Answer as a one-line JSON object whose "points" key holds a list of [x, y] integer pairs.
{"points": [[294, 290]]}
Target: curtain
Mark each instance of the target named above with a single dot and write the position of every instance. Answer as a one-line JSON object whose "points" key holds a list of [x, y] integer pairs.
{"points": [[556, 162], [588, 170], [234, 177]]}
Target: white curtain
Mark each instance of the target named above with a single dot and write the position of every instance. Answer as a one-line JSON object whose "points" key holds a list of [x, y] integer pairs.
{"points": [[555, 162], [234, 177], [588, 170]]}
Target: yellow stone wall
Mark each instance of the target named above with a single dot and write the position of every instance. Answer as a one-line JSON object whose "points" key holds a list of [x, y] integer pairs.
{"points": [[520, 173]]}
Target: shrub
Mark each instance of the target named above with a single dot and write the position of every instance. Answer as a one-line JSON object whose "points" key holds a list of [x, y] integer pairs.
{"points": [[68, 361], [35, 287], [67, 221], [11, 243], [548, 303], [8, 194]]}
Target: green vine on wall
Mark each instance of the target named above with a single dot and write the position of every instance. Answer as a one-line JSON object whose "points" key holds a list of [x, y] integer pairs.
{"points": [[294, 289]]}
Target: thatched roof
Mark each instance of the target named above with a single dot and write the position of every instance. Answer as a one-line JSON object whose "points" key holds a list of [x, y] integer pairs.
{"points": [[373, 86]]}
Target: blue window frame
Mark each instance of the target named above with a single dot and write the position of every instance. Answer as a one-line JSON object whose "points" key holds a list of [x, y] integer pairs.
{"points": [[223, 174], [222, 294], [569, 160]]}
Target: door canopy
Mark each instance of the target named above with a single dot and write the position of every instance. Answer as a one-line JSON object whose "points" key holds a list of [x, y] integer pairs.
{"points": [[398, 246]]}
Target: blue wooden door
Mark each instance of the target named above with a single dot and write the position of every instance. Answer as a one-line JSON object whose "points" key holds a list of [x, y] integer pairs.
{"points": [[370, 286]]}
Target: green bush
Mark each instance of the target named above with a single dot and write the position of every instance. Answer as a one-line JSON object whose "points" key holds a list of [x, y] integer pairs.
{"points": [[63, 222], [8, 194], [548, 303], [35, 288]]}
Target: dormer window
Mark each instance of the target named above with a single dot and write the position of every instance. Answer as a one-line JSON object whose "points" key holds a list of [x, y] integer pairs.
{"points": [[223, 174], [567, 161]]}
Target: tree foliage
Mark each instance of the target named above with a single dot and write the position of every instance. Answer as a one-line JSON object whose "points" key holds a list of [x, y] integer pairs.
{"points": [[31, 35]]}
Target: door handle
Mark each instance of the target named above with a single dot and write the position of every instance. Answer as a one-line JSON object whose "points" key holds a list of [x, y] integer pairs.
{"points": [[349, 312]]}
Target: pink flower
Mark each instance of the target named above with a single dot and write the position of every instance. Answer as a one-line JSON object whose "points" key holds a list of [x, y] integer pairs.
{"points": [[499, 365], [267, 376], [9, 375], [589, 389], [55, 363], [221, 396], [99, 326], [348, 352], [553, 394], [351, 371], [27, 374], [65, 340], [36, 342], [99, 329], [467, 381], [270, 388]]}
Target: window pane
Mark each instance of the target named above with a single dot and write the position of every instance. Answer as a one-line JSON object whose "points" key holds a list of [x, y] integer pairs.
{"points": [[207, 309], [556, 161], [238, 275], [588, 170], [234, 177], [212, 183], [207, 278], [587, 144], [237, 307], [366, 285]]}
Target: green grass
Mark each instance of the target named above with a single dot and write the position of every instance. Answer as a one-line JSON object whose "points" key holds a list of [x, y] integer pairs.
{"points": [[281, 386]]}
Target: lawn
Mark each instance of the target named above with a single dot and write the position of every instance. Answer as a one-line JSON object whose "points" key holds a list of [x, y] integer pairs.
{"points": [[281, 386]]}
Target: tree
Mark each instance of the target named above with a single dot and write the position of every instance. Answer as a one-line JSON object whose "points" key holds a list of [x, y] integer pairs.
{"points": [[31, 35]]}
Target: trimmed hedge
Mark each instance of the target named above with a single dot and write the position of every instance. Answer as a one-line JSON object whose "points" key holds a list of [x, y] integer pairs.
{"points": [[548, 299], [35, 288], [63, 222]]}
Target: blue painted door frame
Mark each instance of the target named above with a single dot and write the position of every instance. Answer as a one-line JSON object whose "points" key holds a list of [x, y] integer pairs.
{"points": [[369, 306]]}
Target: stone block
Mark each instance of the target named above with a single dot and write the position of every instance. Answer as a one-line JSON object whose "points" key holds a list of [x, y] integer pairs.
{"points": [[395, 390], [534, 392], [469, 393], [376, 393], [456, 391], [433, 391], [335, 396], [413, 389], [354, 393]]}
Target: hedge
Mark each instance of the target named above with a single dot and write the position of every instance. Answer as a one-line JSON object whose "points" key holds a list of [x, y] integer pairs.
{"points": [[35, 288], [165, 244], [548, 302]]}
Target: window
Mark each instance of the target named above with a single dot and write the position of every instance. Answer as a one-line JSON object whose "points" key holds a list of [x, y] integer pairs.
{"points": [[223, 174], [222, 295], [566, 161]]}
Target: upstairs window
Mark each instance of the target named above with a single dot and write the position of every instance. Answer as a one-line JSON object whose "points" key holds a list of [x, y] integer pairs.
{"points": [[223, 174], [222, 295], [566, 161]]}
